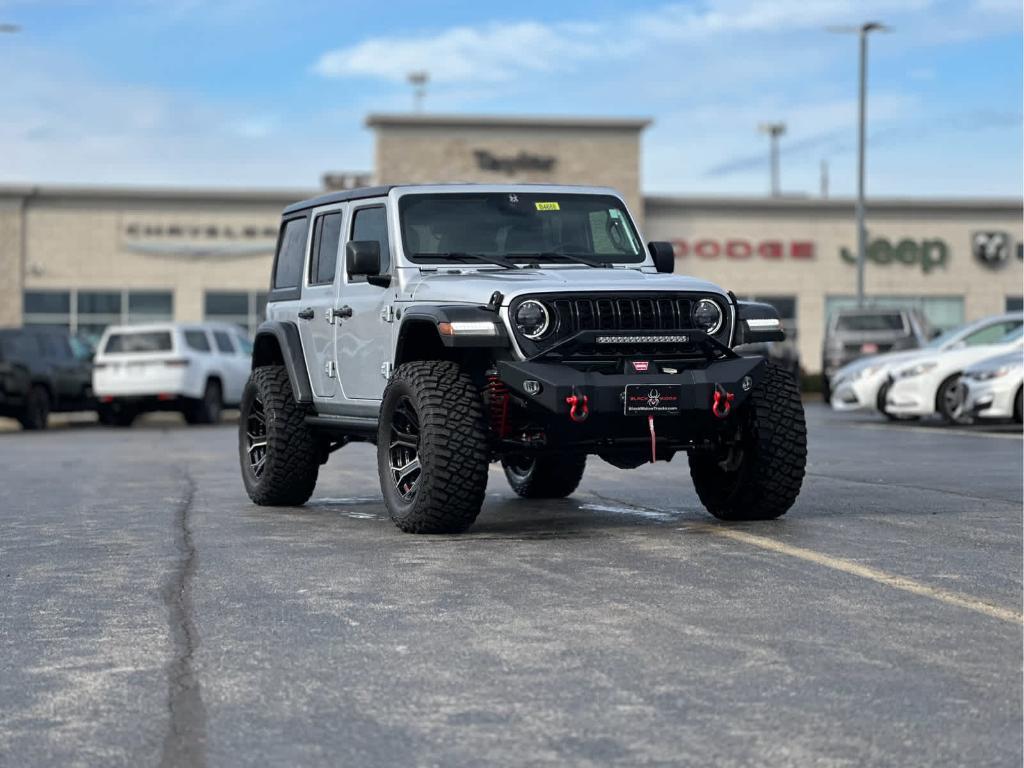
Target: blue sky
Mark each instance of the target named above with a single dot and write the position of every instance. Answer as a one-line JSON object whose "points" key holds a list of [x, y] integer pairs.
{"points": [[272, 94]]}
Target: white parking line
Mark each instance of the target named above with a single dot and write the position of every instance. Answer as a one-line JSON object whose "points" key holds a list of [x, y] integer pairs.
{"points": [[938, 430], [865, 572]]}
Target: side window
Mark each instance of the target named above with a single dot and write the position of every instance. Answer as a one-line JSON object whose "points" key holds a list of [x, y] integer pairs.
{"points": [[290, 253], [244, 346], [372, 224], [223, 342], [197, 341], [326, 236]]}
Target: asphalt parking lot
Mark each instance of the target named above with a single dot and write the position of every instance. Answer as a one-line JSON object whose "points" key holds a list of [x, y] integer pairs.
{"points": [[149, 614]]}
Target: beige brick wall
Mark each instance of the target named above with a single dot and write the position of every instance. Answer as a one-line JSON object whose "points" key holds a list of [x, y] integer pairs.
{"points": [[84, 244], [812, 280], [583, 155], [10, 262]]}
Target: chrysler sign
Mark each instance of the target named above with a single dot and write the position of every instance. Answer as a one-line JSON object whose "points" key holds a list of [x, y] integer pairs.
{"points": [[194, 242]]}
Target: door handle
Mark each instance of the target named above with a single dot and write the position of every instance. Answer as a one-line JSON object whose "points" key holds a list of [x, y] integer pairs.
{"points": [[342, 312], [306, 314]]}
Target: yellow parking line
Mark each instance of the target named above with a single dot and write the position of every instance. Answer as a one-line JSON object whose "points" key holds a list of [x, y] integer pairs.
{"points": [[866, 572]]}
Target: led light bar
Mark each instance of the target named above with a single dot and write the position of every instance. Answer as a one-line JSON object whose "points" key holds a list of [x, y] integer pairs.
{"points": [[643, 339], [763, 323]]}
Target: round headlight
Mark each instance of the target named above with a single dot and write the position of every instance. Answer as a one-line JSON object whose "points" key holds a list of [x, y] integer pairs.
{"points": [[707, 316], [533, 319]]}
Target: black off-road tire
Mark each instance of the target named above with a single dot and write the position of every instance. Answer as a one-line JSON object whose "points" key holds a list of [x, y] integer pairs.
{"points": [[116, 414], [291, 457], [545, 477], [36, 415], [447, 492], [765, 480], [207, 409]]}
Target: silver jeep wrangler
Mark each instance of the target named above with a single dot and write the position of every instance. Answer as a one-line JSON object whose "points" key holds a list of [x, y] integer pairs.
{"points": [[456, 325]]}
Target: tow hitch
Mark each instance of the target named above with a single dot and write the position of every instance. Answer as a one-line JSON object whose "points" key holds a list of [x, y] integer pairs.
{"points": [[721, 403], [579, 407]]}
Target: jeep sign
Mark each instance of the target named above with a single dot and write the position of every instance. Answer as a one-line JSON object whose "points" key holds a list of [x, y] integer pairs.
{"points": [[929, 254]]}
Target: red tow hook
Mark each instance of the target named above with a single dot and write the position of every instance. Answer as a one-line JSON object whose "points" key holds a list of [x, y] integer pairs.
{"points": [[722, 402], [579, 409]]}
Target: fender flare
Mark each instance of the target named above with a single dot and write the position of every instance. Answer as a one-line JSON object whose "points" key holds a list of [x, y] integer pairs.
{"points": [[434, 314], [278, 342]]}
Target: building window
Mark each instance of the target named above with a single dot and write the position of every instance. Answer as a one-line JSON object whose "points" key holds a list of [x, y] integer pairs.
{"points": [[246, 309], [1014, 303], [786, 307], [49, 308], [942, 312], [88, 313]]}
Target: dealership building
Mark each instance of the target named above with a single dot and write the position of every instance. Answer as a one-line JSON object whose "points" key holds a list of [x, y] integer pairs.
{"points": [[86, 257]]}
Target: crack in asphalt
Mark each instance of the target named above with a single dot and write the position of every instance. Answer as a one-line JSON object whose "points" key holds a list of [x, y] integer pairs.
{"points": [[185, 741]]}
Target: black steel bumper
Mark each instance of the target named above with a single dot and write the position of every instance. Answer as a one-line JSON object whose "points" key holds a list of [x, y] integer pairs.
{"points": [[605, 393]]}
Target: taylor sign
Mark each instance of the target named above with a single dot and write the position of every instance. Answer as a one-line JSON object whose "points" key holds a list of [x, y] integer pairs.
{"points": [[739, 248]]}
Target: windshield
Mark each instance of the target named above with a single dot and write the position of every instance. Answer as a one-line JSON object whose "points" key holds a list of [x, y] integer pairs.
{"points": [[1012, 336], [517, 226], [945, 338]]}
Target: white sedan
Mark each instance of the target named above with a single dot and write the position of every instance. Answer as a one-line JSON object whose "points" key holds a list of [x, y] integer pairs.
{"points": [[862, 385], [993, 388], [930, 384]]}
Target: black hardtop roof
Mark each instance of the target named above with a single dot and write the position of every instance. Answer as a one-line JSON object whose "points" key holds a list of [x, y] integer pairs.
{"points": [[359, 193]]}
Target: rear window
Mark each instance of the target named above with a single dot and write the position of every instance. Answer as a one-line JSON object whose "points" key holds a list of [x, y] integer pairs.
{"points": [[137, 342], [888, 321]]}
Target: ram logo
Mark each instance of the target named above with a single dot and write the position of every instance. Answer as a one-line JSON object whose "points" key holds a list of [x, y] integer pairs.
{"points": [[991, 248]]}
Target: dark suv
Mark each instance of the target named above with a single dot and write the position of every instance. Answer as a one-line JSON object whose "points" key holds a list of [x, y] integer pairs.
{"points": [[856, 332], [43, 370]]}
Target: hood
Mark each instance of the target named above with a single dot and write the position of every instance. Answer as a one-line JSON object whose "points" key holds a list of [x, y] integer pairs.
{"points": [[475, 286], [958, 359], [886, 359], [1015, 359]]}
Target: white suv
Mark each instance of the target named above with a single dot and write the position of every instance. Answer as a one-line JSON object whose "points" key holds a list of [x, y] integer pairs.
{"points": [[192, 368]]}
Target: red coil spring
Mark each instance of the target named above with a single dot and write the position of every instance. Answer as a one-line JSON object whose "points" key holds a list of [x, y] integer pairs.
{"points": [[498, 398]]}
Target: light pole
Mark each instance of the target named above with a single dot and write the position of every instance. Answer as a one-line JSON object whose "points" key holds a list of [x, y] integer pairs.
{"points": [[418, 81], [862, 234], [774, 130]]}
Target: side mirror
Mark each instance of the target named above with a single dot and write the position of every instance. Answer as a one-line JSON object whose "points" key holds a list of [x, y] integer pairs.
{"points": [[362, 258], [664, 256]]}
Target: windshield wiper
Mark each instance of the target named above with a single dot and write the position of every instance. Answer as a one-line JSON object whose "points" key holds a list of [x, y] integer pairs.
{"points": [[558, 255], [460, 256]]}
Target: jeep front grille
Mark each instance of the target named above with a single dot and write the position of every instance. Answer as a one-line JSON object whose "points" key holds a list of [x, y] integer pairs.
{"points": [[571, 314]]}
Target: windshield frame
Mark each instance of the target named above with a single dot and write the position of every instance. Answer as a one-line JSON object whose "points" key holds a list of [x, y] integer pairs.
{"points": [[408, 258]]}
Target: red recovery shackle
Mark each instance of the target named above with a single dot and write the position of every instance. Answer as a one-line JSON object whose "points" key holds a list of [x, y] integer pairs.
{"points": [[721, 403], [579, 409]]}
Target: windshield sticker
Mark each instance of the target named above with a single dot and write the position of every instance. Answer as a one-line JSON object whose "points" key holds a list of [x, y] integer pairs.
{"points": [[546, 206], [513, 199]]}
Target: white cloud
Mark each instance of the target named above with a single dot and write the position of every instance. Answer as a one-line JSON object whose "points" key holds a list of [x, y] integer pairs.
{"points": [[497, 52]]}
